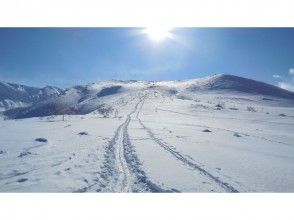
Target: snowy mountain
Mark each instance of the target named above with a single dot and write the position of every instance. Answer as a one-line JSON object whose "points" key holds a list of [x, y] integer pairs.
{"points": [[16, 95], [215, 134], [84, 99]]}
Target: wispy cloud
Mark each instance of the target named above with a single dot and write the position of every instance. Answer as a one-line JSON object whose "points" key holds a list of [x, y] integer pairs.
{"points": [[276, 76], [289, 84], [158, 69], [148, 72]]}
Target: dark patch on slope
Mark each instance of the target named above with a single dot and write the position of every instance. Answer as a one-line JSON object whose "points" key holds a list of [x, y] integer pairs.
{"points": [[109, 91]]}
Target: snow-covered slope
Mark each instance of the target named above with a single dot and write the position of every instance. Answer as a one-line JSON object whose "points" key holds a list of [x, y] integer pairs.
{"points": [[85, 99], [215, 134], [239, 84], [16, 95]]}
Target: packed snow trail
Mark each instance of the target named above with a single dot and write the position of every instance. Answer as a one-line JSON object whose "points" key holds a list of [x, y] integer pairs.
{"points": [[121, 170], [183, 159]]}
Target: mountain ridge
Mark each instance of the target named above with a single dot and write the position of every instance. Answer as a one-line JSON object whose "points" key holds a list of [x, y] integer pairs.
{"points": [[83, 99], [14, 95]]}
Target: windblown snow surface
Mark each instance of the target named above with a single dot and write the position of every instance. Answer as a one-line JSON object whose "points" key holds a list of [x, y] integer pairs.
{"points": [[216, 134]]}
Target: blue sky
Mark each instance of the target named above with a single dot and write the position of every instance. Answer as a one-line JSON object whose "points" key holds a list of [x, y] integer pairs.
{"points": [[65, 56]]}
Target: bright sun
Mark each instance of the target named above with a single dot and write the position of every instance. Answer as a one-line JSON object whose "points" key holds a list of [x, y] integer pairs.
{"points": [[158, 33]]}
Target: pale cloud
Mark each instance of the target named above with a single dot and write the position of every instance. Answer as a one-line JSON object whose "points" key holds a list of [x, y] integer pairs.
{"points": [[277, 76], [287, 86], [145, 73], [290, 84]]}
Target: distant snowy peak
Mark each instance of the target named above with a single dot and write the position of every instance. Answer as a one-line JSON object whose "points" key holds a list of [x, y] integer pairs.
{"points": [[18, 91], [16, 95]]}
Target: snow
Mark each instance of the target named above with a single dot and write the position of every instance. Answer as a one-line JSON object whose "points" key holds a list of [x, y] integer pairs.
{"points": [[68, 161], [15, 96], [157, 143], [263, 152]]}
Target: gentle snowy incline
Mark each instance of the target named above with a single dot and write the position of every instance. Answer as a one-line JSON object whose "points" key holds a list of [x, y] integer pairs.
{"points": [[68, 161], [244, 152], [202, 135], [186, 160]]}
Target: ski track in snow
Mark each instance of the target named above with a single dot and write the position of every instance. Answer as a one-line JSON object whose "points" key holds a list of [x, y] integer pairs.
{"points": [[121, 170], [115, 166], [183, 159]]}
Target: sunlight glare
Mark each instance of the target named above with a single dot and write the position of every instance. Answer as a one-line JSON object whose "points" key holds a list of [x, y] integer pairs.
{"points": [[158, 33]]}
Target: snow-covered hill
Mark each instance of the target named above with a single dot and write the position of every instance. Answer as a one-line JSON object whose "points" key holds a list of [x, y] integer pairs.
{"points": [[216, 134], [16, 95], [239, 84], [84, 99]]}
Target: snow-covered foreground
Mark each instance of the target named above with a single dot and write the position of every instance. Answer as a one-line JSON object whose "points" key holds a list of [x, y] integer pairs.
{"points": [[205, 142]]}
